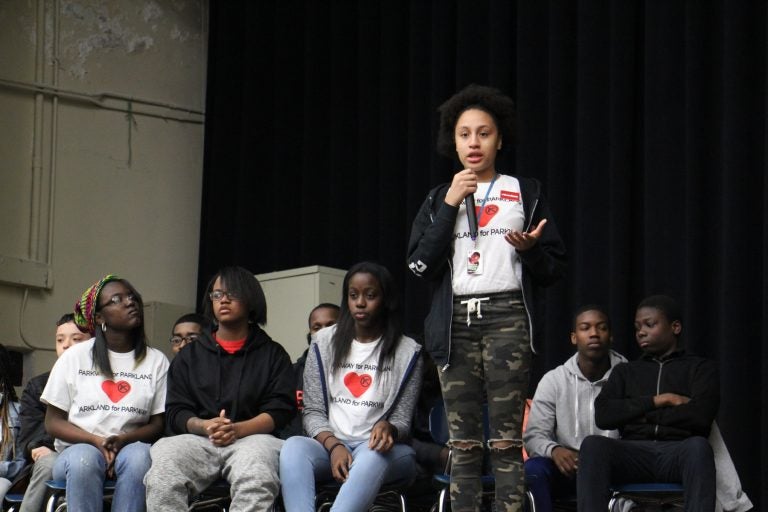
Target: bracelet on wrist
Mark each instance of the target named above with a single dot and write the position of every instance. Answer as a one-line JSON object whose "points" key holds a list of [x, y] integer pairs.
{"points": [[330, 452], [326, 440]]}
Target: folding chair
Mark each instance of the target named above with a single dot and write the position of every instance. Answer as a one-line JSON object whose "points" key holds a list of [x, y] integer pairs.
{"points": [[215, 498], [393, 492], [660, 494], [12, 502], [57, 502]]}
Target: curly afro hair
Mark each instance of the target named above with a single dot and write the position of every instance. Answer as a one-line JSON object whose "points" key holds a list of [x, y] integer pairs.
{"points": [[492, 101]]}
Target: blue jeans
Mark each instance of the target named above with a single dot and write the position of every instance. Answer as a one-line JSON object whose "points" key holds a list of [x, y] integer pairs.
{"points": [[546, 482], [304, 461], [84, 468]]}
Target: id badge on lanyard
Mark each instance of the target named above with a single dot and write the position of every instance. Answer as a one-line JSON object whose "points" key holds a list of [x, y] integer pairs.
{"points": [[475, 255]]}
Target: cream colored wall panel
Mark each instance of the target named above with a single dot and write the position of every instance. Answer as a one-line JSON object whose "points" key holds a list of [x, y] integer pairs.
{"points": [[291, 295], [103, 42], [126, 200], [159, 318], [15, 171], [18, 19], [148, 212]]}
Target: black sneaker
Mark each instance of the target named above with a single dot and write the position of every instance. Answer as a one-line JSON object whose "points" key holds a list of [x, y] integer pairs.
{"points": [[386, 502]]}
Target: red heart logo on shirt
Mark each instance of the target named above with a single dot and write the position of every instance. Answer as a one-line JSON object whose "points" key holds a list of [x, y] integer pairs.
{"points": [[116, 391], [487, 214], [357, 384]]}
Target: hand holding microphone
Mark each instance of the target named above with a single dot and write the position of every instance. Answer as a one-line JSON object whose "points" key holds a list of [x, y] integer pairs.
{"points": [[463, 188], [464, 183]]}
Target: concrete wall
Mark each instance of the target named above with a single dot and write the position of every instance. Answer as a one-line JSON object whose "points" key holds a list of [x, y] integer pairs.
{"points": [[101, 146]]}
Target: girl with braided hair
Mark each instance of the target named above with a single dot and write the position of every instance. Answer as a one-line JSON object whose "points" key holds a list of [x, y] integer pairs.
{"points": [[11, 459]]}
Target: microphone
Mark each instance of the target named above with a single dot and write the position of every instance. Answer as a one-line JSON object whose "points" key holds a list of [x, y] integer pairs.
{"points": [[469, 201]]}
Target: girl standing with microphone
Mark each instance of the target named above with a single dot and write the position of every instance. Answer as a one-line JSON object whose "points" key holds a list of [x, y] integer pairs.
{"points": [[480, 329]]}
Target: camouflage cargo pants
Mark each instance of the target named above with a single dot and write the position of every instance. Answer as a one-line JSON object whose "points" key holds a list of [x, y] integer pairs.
{"points": [[489, 363]]}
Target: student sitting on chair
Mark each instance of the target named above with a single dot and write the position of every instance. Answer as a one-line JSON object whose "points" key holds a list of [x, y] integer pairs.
{"points": [[663, 405], [228, 392], [361, 383], [323, 315], [106, 398], [562, 410], [35, 441]]}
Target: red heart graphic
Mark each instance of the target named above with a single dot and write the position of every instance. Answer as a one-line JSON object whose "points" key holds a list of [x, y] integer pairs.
{"points": [[487, 214], [116, 391], [357, 384]]}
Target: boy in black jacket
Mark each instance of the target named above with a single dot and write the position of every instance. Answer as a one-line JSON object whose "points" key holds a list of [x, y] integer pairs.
{"points": [[663, 405]]}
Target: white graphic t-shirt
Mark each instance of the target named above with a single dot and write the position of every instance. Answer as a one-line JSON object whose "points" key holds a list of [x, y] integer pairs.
{"points": [[357, 392], [488, 264], [105, 406]]}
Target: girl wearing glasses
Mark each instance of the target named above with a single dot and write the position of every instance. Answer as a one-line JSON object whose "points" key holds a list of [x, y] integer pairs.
{"points": [[105, 400], [228, 392], [186, 330]]}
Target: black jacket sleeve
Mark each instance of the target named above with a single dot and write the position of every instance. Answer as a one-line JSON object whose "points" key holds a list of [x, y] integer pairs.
{"points": [[627, 399], [32, 417], [698, 414], [613, 409], [546, 261], [431, 241], [279, 399], [180, 405]]}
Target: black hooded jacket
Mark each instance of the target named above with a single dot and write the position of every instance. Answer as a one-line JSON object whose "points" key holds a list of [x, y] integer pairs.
{"points": [[626, 400], [430, 250], [33, 434], [204, 379]]}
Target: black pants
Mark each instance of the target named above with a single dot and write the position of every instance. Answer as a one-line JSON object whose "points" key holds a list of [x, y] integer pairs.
{"points": [[604, 461]]}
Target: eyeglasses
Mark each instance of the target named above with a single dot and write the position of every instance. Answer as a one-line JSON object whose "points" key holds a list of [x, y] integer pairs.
{"points": [[119, 298], [217, 295], [178, 340]]}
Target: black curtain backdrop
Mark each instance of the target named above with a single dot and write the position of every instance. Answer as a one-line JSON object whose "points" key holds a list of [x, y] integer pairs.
{"points": [[646, 121]]}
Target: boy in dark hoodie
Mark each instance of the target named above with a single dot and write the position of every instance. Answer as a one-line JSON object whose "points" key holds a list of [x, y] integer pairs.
{"points": [[663, 405], [227, 394]]}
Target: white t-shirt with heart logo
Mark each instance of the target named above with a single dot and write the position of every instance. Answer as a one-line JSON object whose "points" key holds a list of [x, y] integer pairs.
{"points": [[105, 406], [357, 392], [494, 260]]}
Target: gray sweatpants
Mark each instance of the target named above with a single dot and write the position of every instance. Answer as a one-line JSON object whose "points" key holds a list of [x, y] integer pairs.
{"points": [[185, 465], [5, 484], [37, 493]]}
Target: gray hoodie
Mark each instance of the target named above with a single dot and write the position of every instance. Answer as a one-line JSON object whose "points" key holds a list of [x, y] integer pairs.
{"points": [[400, 401], [563, 409]]}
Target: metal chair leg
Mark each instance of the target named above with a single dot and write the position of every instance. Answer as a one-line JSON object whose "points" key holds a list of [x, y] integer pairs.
{"points": [[531, 501]]}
